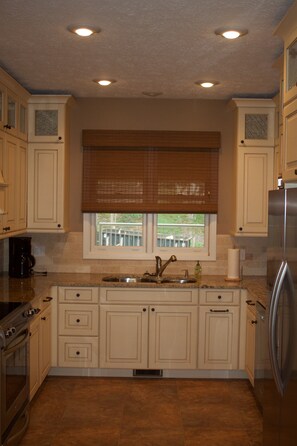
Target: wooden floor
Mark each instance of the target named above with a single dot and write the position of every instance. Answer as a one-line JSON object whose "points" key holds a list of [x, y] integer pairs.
{"points": [[72, 411]]}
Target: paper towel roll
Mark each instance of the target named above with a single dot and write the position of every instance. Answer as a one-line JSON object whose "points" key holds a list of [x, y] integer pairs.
{"points": [[233, 264]]}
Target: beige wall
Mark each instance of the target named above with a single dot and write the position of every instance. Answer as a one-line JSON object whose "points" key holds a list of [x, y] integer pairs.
{"points": [[153, 114]]}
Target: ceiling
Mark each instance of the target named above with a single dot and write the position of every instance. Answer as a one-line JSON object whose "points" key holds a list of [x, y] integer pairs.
{"points": [[146, 46]]}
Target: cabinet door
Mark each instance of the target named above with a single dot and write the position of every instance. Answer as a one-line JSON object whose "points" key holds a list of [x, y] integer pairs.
{"points": [[11, 178], [34, 356], [250, 345], [218, 338], [254, 180], [256, 126], [23, 121], [2, 179], [172, 337], [123, 336], [45, 343], [21, 178], [47, 123], [290, 142], [78, 320], [46, 186], [2, 105], [12, 113]]}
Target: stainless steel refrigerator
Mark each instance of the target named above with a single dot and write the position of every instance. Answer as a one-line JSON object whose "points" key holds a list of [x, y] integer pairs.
{"points": [[280, 377]]}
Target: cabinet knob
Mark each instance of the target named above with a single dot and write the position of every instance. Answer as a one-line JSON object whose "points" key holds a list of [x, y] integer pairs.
{"points": [[144, 310], [295, 171], [60, 137], [59, 225], [219, 297], [253, 322], [78, 321], [78, 353], [7, 126], [240, 228], [77, 295], [242, 141], [43, 318], [153, 309]]}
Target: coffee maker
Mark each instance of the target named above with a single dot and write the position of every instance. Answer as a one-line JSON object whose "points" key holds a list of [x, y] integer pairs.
{"points": [[21, 260]]}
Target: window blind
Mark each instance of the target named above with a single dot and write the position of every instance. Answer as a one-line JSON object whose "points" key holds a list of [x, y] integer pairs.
{"points": [[142, 178]]}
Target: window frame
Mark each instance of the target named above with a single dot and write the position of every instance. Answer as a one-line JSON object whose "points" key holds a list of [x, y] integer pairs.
{"points": [[148, 251]]}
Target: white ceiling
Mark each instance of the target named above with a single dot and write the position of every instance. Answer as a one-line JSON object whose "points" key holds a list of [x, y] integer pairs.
{"points": [[146, 45]]}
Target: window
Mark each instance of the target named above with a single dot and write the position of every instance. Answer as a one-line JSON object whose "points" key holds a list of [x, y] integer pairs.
{"points": [[142, 236]]}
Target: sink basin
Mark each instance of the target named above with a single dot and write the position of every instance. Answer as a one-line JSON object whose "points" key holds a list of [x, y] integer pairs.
{"points": [[148, 279], [178, 280], [129, 279]]}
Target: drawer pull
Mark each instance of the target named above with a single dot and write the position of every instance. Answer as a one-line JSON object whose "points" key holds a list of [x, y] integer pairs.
{"points": [[43, 318], [253, 322], [219, 297], [144, 310], [219, 311], [47, 299], [153, 309], [77, 295], [78, 321], [78, 353]]}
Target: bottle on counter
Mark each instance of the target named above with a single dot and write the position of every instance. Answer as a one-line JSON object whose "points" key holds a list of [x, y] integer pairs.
{"points": [[198, 271]]}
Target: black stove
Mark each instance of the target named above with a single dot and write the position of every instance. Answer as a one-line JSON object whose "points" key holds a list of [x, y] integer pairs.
{"points": [[8, 307], [13, 317]]}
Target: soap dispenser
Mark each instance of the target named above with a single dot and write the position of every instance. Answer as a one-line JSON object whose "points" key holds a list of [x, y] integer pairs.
{"points": [[198, 271]]}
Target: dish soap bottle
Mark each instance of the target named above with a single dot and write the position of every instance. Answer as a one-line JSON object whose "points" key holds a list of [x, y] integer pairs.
{"points": [[198, 271]]}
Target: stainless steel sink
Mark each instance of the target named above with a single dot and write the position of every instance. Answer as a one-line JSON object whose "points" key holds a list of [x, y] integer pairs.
{"points": [[148, 279]]}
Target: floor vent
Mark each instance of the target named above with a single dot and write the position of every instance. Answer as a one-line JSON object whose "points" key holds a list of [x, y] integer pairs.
{"points": [[148, 373]]}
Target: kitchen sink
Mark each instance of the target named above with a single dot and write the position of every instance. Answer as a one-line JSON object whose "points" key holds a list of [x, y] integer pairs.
{"points": [[149, 279]]}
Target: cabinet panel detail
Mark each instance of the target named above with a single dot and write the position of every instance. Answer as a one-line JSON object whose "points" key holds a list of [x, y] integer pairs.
{"points": [[78, 351]]}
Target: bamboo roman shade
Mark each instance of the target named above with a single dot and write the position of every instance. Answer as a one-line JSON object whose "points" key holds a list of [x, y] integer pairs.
{"points": [[126, 171]]}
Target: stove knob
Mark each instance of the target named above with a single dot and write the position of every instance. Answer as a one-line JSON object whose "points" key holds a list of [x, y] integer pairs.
{"points": [[10, 332], [31, 312]]}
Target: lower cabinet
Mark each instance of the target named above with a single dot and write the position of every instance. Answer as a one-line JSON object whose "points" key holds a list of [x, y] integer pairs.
{"points": [[218, 339], [40, 348], [250, 343], [78, 317], [148, 336]]}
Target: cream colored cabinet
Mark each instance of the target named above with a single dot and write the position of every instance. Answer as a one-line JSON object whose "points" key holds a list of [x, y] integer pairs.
{"points": [[78, 317], [148, 328], [40, 346], [219, 334], [48, 164], [254, 168], [148, 336], [250, 343], [13, 196], [290, 142]]}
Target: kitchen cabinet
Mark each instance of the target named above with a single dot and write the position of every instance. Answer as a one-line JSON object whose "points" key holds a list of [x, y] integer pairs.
{"points": [[250, 341], [254, 158], [40, 345], [287, 30], [148, 337], [148, 329], [78, 316], [13, 196], [48, 164], [219, 333]]}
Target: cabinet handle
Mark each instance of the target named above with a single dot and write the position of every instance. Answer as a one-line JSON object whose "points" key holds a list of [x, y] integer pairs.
{"points": [[153, 309], [295, 171], [78, 321], [7, 126], [77, 295], [219, 311], [6, 228], [242, 141], [240, 229], [59, 138], [253, 322], [47, 299], [78, 353], [219, 297], [43, 318], [59, 225], [144, 310]]}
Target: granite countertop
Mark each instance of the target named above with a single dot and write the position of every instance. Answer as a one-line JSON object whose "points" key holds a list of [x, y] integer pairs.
{"points": [[37, 286]]}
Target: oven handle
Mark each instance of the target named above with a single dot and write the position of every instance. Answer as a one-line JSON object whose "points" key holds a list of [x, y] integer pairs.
{"points": [[18, 435], [25, 336]]}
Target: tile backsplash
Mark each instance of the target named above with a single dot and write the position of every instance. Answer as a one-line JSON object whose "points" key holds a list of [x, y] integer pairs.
{"points": [[63, 253]]}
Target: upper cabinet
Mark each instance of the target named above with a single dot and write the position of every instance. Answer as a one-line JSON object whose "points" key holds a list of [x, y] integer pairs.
{"points": [[47, 119], [254, 156], [13, 107], [287, 30], [255, 126], [48, 170]]}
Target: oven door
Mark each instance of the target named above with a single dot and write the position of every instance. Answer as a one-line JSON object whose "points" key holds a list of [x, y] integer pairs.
{"points": [[14, 381]]}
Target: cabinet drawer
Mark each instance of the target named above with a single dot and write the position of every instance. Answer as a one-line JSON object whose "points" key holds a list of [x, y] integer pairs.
{"points": [[219, 296], [78, 320], [82, 294], [78, 352], [149, 296]]}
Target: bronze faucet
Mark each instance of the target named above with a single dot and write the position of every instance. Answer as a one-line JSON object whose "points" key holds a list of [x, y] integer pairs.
{"points": [[160, 267]]}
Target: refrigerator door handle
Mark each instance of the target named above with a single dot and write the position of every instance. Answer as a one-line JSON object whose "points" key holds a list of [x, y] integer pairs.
{"points": [[272, 327]]}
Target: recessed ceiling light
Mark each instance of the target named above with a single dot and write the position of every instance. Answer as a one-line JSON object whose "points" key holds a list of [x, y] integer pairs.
{"points": [[207, 84], [152, 94], [231, 33], [83, 30], [104, 82]]}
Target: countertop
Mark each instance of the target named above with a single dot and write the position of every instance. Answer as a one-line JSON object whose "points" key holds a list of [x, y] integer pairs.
{"points": [[37, 286]]}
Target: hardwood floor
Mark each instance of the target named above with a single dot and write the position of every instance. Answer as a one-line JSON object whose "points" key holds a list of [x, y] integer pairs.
{"points": [[74, 411]]}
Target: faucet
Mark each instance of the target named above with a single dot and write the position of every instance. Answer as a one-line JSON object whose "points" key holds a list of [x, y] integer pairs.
{"points": [[160, 267]]}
